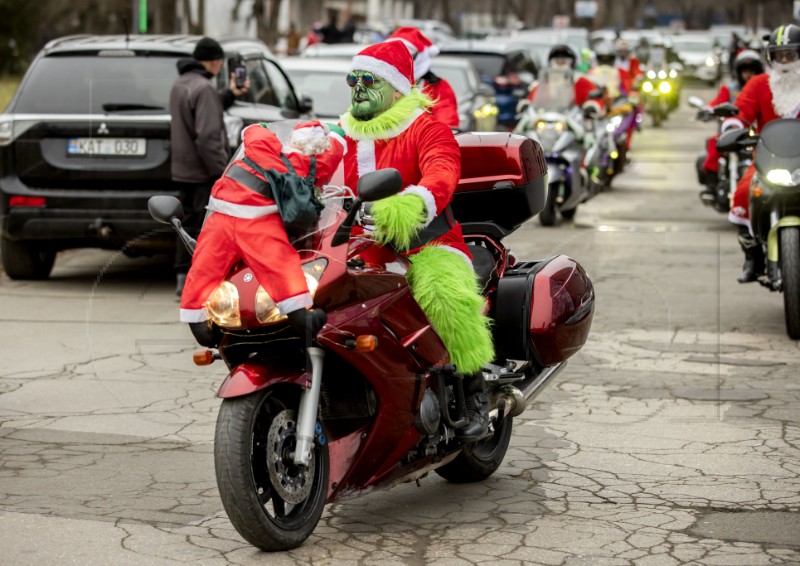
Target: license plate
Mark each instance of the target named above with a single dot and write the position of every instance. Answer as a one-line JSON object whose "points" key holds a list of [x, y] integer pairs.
{"points": [[124, 147]]}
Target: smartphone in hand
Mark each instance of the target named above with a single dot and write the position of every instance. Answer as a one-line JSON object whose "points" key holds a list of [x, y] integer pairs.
{"points": [[240, 75]]}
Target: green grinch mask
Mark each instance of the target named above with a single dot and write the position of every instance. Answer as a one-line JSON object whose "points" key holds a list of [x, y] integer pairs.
{"points": [[369, 101]]}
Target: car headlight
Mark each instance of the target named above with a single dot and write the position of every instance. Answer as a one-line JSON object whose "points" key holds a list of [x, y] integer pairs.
{"points": [[265, 308], [222, 306], [710, 62], [647, 87], [783, 177], [665, 87], [662, 74]]}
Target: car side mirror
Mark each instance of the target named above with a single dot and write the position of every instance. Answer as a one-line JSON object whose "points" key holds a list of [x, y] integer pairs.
{"points": [[306, 104]]}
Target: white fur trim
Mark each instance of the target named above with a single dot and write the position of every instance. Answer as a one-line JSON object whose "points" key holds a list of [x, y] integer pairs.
{"points": [[390, 134], [427, 196], [382, 69], [736, 219], [193, 315], [411, 47], [459, 252], [730, 124], [365, 157], [341, 140], [240, 210], [315, 132], [422, 64], [295, 303]]}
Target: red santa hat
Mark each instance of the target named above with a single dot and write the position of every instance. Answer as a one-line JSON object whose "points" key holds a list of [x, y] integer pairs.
{"points": [[310, 137], [390, 61], [421, 48]]}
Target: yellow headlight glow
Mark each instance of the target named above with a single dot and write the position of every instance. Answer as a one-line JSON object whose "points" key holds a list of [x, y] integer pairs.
{"points": [[665, 87], [647, 87]]}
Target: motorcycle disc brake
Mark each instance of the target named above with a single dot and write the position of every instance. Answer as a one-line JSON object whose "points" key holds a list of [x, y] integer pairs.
{"points": [[291, 482]]}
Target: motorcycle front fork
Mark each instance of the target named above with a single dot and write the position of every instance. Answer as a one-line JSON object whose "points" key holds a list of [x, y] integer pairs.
{"points": [[307, 412]]}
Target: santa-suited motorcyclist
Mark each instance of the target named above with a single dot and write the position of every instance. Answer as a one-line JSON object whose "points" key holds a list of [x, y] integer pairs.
{"points": [[562, 56], [422, 50], [245, 224], [747, 65], [766, 97], [388, 125]]}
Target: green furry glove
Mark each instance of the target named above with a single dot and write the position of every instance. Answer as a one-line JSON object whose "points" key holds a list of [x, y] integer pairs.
{"points": [[398, 219]]}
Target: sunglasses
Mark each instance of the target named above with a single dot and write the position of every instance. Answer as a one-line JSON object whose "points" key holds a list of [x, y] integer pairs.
{"points": [[784, 55], [367, 79]]}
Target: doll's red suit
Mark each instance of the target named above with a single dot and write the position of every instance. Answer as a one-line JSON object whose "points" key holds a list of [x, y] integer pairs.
{"points": [[245, 224]]}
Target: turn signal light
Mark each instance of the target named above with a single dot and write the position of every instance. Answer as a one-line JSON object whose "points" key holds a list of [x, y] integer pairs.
{"points": [[203, 357], [366, 343], [757, 191]]}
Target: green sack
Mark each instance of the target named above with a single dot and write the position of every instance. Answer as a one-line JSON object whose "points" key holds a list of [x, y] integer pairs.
{"points": [[295, 196]]}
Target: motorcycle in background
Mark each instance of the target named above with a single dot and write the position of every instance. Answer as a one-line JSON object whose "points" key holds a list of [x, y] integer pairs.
{"points": [[555, 121], [775, 207], [731, 165], [372, 400], [660, 94]]}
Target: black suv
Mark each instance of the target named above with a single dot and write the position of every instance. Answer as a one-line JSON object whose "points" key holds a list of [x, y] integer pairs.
{"points": [[85, 142]]}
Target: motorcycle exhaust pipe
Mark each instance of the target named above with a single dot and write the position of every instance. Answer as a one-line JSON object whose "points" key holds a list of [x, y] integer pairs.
{"points": [[512, 400], [307, 412]]}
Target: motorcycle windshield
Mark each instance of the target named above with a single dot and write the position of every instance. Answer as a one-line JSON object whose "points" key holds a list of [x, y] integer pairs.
{"points": [[555, 91], [607, 77]]}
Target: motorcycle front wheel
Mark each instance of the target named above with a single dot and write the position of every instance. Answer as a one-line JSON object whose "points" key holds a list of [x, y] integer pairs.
{"points": [[790, 275], [478, 461], [273, 504]]}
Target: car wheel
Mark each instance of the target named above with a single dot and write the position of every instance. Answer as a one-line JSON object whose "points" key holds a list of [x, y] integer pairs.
{"points": [[26, 260]]}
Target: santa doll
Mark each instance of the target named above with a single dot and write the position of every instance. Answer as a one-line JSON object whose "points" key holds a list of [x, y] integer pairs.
{"points": [[388, 125], [245, 223]]}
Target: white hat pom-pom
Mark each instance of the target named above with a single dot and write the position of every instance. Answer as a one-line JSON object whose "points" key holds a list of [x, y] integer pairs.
{"points": [[311, 138]]}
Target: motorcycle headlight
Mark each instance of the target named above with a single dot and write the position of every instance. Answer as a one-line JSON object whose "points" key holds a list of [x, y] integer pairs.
{"points": [[651, 74], [222, 306], [782, 177], [616, 120], [541, 125], [710, 62], [662, 75], [559, 126], [665, 87], [265, 308], [673, 74], [647, 87]]}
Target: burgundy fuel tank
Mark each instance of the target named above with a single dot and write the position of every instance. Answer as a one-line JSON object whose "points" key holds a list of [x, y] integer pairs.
{"points": [[543, 311]]}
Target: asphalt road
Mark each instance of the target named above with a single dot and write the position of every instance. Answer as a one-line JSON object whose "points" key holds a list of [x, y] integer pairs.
{"points": [[673, 437]]}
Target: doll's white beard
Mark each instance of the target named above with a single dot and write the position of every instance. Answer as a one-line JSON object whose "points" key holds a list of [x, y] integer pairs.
{"points": [[312, 146], [784, 81]]}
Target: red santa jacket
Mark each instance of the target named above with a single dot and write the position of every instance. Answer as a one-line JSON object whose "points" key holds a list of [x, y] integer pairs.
{"points": [[233, 198], [427, 156], [631, 67], [755, 105], [583, 87], [445, 107]]}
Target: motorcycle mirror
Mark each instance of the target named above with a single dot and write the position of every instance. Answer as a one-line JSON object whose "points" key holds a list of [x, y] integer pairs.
{"points": [[377, 185], [729, 141], [695, 102], [596, 94], [164, 208], [726, 110]]}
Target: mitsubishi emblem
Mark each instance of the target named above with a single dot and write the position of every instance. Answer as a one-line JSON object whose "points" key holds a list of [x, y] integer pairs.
{"points": [[103, 129]]}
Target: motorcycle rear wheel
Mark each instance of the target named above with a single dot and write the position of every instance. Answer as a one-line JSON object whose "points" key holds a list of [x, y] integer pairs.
{"points": [[478, 461], [242, 459], [790, 275]]}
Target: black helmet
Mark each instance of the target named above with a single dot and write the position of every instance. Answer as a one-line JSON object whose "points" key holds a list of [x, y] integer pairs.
{"points": [[783, 38], [747, 59], [606, 53], [563, 50]]}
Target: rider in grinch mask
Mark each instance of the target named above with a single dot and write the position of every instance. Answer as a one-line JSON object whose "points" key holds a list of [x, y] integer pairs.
{"points": [[389, 125]]}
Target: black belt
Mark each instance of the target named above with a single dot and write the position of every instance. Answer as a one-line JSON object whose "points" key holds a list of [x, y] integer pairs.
{"points": [[438, 227], [249, 180]]}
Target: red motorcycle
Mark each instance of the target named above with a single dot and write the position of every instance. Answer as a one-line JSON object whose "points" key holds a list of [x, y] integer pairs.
{"points": [[372, 401]]}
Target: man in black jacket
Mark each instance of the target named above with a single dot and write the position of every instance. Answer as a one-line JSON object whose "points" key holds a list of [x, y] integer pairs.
{"points": [[198, 140]]}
